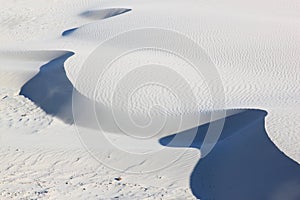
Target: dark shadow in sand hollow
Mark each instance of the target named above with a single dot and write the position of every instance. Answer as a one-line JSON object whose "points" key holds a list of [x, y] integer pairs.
{"points": [[69, 31], [104, 13], [244, 164], [51, 89], [99, 14]]}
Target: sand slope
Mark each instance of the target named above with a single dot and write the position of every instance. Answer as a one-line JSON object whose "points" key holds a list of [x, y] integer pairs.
{"points": [[253, 45]]}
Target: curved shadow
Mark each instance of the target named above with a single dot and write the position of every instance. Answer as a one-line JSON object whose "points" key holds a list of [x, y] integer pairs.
{"points": [[244, 164], [104, 13], [99, 14], [51, 89], [68, 32]]}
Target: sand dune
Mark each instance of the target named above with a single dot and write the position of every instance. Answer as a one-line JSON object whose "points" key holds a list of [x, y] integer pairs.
{"points": [[244, 164], [100, 14], [51, 90], [104, 13], [92, 95]]}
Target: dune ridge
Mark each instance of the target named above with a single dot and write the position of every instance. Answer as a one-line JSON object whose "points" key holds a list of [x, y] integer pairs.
{"points": [[244, 164], [254, 47]]}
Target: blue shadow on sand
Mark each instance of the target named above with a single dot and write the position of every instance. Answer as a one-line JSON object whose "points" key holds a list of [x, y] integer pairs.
{"points": [[244, 164], [99, 14], [51, 89], [69, 31], [104, 13]]}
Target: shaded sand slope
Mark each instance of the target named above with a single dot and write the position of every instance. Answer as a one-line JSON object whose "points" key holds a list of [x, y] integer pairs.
{"points": [[244, 164], [51, 89], [252, 43], [98, 14], [104, 13]]}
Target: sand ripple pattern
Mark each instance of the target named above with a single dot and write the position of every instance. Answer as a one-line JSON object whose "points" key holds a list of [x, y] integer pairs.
{"points": [[61, 174], [20, 113]]}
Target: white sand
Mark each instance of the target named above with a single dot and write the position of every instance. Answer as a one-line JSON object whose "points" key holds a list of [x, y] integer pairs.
{"points": [[254, 46]]}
